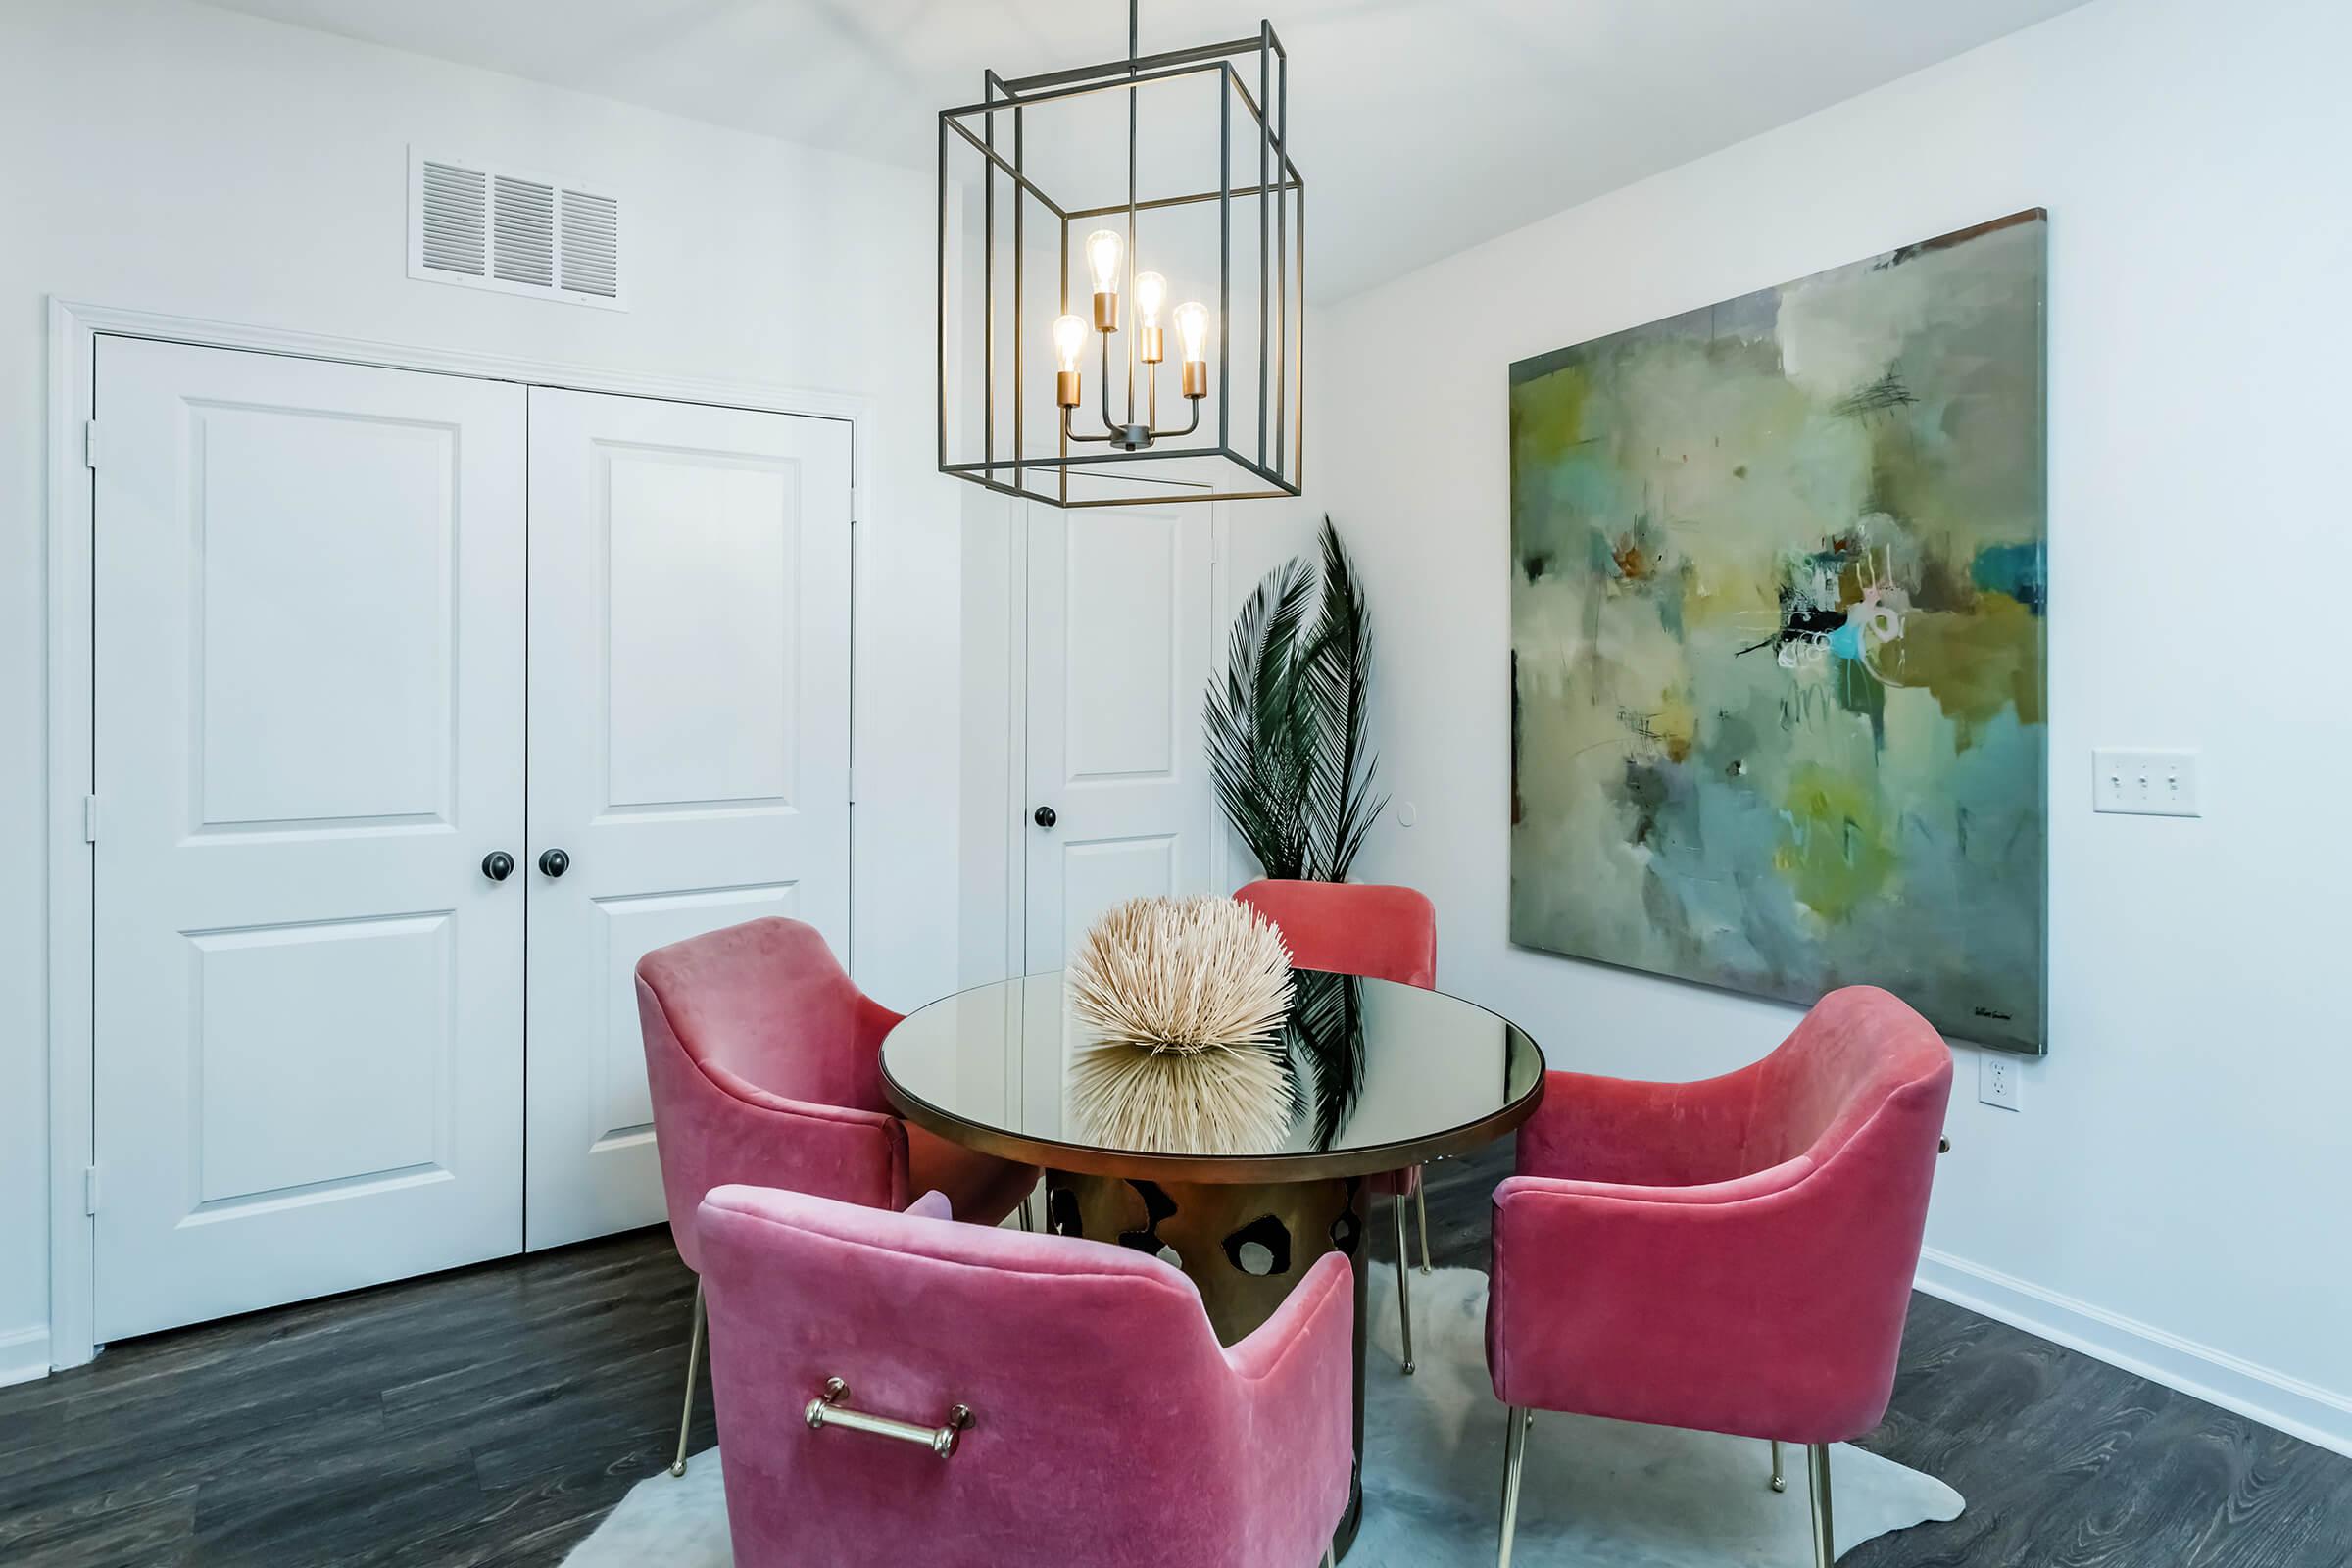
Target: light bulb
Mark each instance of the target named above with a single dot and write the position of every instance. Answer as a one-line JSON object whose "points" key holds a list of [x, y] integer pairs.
{"points": [[1069, 339], [1104, 250], [1191, 325], [1150, 293]]}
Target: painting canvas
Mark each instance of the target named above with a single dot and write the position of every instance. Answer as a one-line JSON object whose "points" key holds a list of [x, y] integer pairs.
{"points": [[1778, 609]]}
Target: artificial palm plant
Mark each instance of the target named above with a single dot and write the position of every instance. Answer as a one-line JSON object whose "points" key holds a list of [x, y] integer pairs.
{"points": [[1286, 743], [1286, 732]]}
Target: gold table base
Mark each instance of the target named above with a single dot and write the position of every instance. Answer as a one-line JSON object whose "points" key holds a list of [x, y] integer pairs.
{"points": [[1244, 1245]]}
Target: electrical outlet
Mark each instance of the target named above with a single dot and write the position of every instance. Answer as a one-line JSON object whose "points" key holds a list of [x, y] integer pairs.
{"points": [[1997, 1077], [2144, 783]]}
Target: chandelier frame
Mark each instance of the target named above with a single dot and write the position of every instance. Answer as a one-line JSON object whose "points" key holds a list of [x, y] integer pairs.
{"points": [[1272, 466]]}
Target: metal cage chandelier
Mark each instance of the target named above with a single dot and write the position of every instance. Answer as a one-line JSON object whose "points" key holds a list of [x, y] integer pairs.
{"points": [[1050, 170]]}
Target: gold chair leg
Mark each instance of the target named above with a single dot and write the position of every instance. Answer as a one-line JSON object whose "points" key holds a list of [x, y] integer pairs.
{"points": [[694, 1357], [1779, 1482], [1514, 1456], [1824, 1535], [1404, 1289], [1421, 1210]]}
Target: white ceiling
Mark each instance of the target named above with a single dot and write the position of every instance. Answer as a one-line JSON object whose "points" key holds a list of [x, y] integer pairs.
{"points": [[1421, 125]]}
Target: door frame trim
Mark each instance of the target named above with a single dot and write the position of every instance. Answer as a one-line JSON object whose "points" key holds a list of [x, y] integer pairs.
{"points": [[74, 327]]}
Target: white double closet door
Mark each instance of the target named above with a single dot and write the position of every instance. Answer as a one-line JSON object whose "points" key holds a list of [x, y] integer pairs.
{"points": [[359, 630]]}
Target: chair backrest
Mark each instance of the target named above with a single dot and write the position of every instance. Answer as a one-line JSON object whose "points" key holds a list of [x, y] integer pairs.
{"points": [[763, 1062], [1861, 1056], [1366, 928], [1860, 1088], [765, 1004], [1103, 1428]]}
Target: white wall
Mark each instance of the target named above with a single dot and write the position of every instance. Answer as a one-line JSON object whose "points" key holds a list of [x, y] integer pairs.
{"points": [[168, 157], [2172, 1193]]}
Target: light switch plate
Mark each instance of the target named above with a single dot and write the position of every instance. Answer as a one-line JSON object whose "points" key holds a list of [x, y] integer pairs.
{"points": [[2144, 783]]}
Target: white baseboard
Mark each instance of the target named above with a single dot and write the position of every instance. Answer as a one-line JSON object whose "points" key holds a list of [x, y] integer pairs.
{"points": [[2300, 1409], [23, 1354]]}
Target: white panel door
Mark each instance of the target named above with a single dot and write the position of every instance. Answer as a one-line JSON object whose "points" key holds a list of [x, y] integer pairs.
{"points": [[308, 603], [1118, 668], [689, 742]]}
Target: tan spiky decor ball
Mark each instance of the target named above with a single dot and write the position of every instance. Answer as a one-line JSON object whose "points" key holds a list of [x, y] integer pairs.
{"points": [[1183, 1002]]}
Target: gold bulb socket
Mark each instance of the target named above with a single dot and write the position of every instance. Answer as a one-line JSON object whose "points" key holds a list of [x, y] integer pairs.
{"points": [[1151, 348], [1065, 388], [1107, 312], [1196, 378]]}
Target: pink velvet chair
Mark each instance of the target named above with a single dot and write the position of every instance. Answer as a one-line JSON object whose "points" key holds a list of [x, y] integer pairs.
{"points": [[1733, 1255], [765, 1061], [1383, 933], [1043, 1402]]}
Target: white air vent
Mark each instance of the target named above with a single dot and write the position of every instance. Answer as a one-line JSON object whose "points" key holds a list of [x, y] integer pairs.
{"points": [[482, 225]]}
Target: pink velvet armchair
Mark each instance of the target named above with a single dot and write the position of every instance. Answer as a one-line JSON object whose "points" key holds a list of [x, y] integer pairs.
{"points": [[1733, 1255], [764, 1062], [1045, 1401], [1383, 933]]}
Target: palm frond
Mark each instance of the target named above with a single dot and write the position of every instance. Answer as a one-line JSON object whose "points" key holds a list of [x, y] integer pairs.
{"points": [[1337, 683], [1262, 740], [1325, 1030]]}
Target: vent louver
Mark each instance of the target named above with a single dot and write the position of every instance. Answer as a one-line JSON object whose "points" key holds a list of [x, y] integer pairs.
{"points": [[456, 239], [591, 244], [483, 226], [524, 225]]}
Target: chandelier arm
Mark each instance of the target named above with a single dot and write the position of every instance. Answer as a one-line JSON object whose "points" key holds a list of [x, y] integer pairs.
{"points": [[1163, 435], [1074, 435], [1109, 423]]}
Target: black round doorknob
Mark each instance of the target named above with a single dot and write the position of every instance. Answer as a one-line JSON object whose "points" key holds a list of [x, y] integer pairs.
{"points": [[1044, 816], [498, 866], [555, 863]]}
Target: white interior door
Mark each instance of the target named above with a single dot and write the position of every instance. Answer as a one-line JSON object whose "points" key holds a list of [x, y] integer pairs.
{"points": [[309, 725], [1118, 666], [689, 742]]}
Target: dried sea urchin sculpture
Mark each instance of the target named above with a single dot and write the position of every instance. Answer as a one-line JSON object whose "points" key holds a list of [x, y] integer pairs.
{"points": [[1184, 1002]]}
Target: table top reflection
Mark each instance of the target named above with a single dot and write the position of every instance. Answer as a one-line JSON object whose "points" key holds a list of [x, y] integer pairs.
{"points": [[1421, 1074]]}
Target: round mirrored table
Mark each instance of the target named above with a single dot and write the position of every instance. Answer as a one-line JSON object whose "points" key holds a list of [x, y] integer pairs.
{"points": [[1413, 1075]]}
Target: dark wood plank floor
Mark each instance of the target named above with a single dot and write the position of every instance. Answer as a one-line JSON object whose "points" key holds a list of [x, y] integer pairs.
{"points": [[491, 1416]]}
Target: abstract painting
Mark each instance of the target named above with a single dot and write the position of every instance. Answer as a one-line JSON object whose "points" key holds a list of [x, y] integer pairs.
{"points": [[1778, 600]]}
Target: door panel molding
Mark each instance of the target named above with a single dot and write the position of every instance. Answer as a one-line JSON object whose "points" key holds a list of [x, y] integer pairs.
{"points": [[74, 328]]}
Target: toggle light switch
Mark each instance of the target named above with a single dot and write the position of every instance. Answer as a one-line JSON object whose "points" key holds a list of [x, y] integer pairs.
{"points": [[2144, 783]]}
